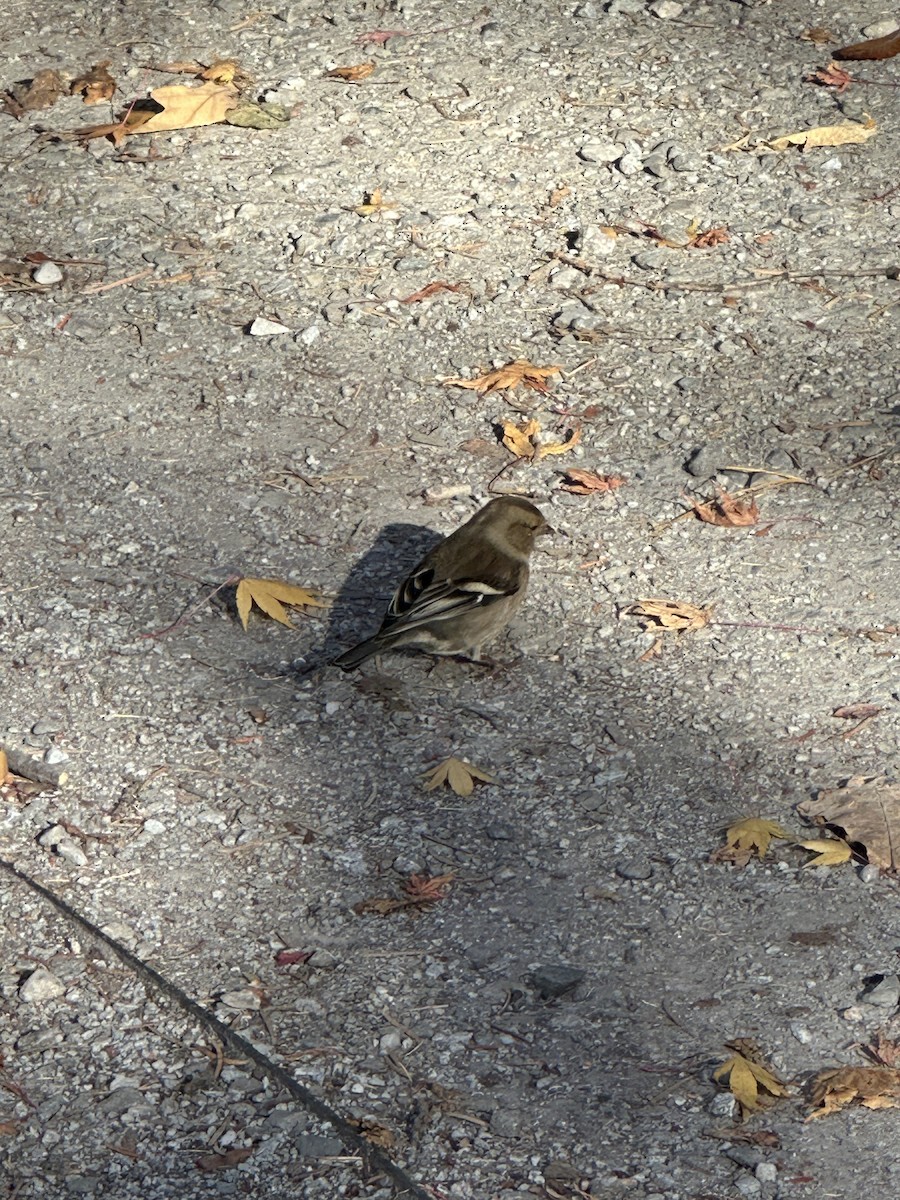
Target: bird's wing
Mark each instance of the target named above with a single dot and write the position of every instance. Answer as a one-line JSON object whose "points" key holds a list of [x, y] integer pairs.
{"points": [[420, 600]]}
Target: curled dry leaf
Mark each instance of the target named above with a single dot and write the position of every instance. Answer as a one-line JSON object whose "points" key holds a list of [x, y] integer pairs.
{"points": [[375, 205], [41, 91], [522, 440], [750, 1081], [421, 890], [271, 595], [727, 510], [221, 1162], [519, 373], [833, 76], [672, 616], [857, 712], [865, 812], [377, 1134], [875, 49], [848, 133], [872, 1087], [351, 74], [818, 35], [709, 238], [225, 71], [95, 86], [432, 289], [828, 852], [743, 839], [459, 775], [588, 483]]}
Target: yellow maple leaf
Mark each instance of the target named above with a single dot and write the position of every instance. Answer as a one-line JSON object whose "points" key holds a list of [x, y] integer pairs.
{"points": [[829, 852], [520, 373], [458, 774], [847, 133], [522, 440], [745, 1078], [271, 595], [753, 835]]}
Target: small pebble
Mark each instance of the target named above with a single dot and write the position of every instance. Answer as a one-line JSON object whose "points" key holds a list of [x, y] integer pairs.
{"points": [[555, 980], [47, 274], [666, 10], [263, 327]]}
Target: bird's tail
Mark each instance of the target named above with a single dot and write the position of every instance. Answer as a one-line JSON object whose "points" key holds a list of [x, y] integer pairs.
{"points": [[358, 654]]}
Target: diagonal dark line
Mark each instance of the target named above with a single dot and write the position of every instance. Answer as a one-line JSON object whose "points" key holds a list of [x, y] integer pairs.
{"points": [[374, 1160]]}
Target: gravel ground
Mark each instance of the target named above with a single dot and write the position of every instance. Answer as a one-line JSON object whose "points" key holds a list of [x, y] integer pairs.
{"points": [[551, 1026]]}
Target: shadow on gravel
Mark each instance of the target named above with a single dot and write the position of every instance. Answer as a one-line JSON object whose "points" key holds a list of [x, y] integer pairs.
{"points": [[359, 606]]}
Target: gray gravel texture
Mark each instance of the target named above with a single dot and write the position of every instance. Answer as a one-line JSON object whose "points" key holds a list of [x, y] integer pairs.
{"points": [[551, 1027]]}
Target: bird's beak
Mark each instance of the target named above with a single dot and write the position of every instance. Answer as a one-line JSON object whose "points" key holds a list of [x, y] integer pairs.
{"points": [[546, 529]]}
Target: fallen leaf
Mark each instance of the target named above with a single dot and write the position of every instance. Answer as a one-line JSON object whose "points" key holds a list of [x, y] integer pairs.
{"points": [[431, 289], [872, 1087], [711, 237], [376, 205], [374, 1132], [743, 839], [725, 509], [519, 373], [226, 71], [9, 1128], [587, 483], [4, 767], [846, 134], [857, 712], [96, 85], [290, 958], [865, 812], [379, 37], [458, 774], [829, 852], [884, 1050], [257, 114], [747, 1074], [421, 890], [833, 76], [221, 1162], [818, 35], [673, 616], [271, 595], [186, 107], [351, 74], [425, 889], [874, 49], [518, 438], [41, 91], [570, 443]]}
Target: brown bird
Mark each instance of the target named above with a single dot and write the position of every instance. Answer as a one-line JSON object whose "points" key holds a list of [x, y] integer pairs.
{"points": [[465, 590]]}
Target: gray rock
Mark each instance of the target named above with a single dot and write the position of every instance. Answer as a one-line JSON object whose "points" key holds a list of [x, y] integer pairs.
{"points": [[49, 724], [317, 1145], [41, 985], [882, 990], [635, 868], [120, 1100], [555, 980], [706, 461]]}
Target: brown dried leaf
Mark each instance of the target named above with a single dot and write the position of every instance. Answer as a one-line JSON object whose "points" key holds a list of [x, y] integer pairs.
{"points": [[9, 1128], [672, 616], [872, 1087], [587, 483], [848, 133], [884, 1050], [4, 768], [832, 76], [865, 812], [559, 447], [41, 91], [857, 712], [379, 37], [717, 236], [351, 74], [875, 49], [222, 72], [377, 1134], [221, 1162], [520, 373], [424, 889], [431, 289], [96, 85], [271, 595], [727, 510], [818, 35], [459, 775]]}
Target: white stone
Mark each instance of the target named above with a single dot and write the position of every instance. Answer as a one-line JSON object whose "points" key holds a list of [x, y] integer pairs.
{"points": [[666, 10], [263, 327], [41, 985], [47, 274]]}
